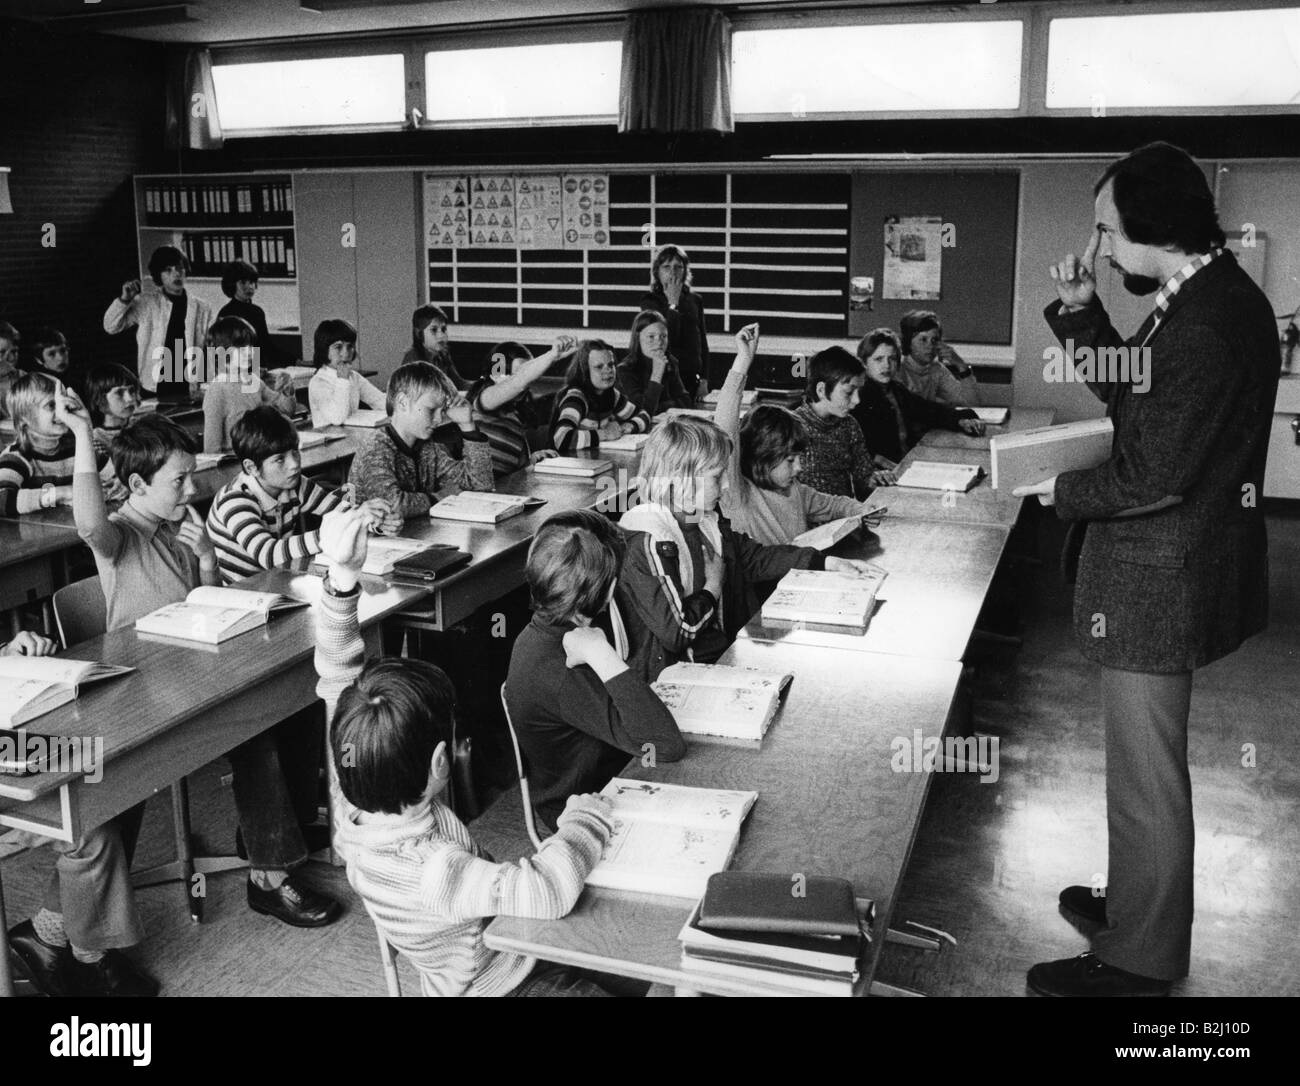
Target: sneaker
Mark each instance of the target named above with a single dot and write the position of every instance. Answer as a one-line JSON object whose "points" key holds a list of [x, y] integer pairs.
{"points": [[1088, 975]]}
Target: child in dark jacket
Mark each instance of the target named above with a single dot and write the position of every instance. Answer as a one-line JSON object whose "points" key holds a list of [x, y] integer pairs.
{"points": [[579, 711], [688, 581]]}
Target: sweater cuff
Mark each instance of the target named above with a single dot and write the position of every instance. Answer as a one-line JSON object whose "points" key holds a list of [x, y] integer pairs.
{"points": [[473, 435]]}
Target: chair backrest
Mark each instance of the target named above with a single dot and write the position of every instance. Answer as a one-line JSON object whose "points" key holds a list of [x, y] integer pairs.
{"points": [[464, 798], [80, 611], [530, 818]]}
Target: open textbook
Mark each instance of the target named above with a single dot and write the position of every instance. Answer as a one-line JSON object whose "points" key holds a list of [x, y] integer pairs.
{"points": [[717, 700], [822, 598], [668, 839], [31, 686], [211, 615]]}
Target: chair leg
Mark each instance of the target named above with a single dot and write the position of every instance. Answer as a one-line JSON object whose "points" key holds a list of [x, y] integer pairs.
{"points": [[389, 958]]}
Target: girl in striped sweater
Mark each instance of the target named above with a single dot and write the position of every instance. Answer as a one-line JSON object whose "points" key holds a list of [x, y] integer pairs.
{"points": [[36, 470], [429, 888], [591, 407]]}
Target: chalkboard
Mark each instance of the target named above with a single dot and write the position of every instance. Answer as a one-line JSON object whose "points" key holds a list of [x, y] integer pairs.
{"points": [[769, 246], [979, 210]]}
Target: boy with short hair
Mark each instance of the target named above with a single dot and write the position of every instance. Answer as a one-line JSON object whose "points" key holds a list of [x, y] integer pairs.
{"points": [[402, 465], [48, 353], [837, 460], [428, 886], [268, 514], [36, 470], [151, 553], [579, 713]]}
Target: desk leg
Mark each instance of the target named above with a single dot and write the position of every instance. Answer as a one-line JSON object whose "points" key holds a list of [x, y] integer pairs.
{"points": [[6, 976]]}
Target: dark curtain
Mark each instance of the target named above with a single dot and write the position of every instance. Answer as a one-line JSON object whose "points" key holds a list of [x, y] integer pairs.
{"points": [[192, 121], [676, 72]]}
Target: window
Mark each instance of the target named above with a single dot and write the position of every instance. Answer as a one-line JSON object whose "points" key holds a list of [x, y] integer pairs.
{"points": [[1189, 59], [330, 92], [563, 81], [883, 68]]}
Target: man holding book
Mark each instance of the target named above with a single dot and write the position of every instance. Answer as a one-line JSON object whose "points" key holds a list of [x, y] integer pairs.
{"points": [[1172, 572]]}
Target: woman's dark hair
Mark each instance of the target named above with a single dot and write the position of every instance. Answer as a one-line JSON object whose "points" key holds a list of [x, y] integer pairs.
{"points": [[913, 323], [386, 726], [164, 257], [424, 316], [236, 272], [830, 367], [770, 434], [668, 252], [635, 359], [1163, 199], [328, 332], [578, 375]]}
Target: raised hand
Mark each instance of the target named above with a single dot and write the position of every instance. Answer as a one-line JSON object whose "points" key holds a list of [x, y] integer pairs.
{"points": [[1073, 276], [563, 346], [130, 289], [343, 544], [747, 344]]}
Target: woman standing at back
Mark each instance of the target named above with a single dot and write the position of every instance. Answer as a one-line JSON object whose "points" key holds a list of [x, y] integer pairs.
{"points": [[670, 293]]}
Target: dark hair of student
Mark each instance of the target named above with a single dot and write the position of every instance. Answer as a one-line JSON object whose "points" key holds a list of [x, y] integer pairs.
{"points": [[867, 344], [504, 354], [830, 367], [146, 444], [41, 340], [386, 726], [578, 375], [231, 332], [770, 434], [261, 432], [100, 381], [236, 272], [668, 252], [634, 358], [424, 316], [1163, 199], [327, 333], [9, 332], [573, 561], [164, 257], [912, 324]]}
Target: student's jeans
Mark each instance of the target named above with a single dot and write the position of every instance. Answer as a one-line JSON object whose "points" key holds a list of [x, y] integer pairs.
{"points": [[276, 778], [91, 885]]}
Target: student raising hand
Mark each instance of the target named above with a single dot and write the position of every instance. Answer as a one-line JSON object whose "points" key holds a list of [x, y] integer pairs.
{"points": [[746, 345], [343, 544], [26, 643]]}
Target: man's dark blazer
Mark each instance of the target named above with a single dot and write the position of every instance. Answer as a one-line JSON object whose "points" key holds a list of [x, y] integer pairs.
{"points": [[1174, 589], [876, 418]]}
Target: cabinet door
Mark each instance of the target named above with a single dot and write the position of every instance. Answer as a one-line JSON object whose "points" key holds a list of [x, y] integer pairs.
{"points": [[387, 267], [327, 268]]}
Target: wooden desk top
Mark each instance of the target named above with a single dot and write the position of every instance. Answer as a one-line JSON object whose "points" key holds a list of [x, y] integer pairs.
{"points": [[1021, 418], [829, 804], [938, 577], [21, 539], [980, 505]]}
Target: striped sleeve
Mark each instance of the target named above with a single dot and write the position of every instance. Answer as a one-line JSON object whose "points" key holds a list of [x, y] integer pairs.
{"points": [[244, 543], [459, 886], [567, 433], [654, 584], [316, 499], [16, 495], [626, 411]]}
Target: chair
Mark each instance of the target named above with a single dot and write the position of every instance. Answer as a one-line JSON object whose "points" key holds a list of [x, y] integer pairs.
{"points": [[80, 613], [388, 956], [530, 816]]}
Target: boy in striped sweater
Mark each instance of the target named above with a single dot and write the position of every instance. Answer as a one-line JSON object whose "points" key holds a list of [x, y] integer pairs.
{"points": [[429, 888], [36, 470], [267, 515]]}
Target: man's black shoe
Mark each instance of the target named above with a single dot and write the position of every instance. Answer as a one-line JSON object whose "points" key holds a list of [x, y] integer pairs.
{"points": [[113, 975], [295, 904], [1088, 975], [45, 965], [1084, 903]]}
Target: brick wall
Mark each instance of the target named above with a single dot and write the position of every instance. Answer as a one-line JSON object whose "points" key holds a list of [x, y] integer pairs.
{"points": [[79, 114]]}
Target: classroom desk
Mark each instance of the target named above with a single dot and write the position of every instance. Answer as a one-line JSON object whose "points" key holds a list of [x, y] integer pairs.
{"points": [[829, 804], [938, 577], [1020, 418], [979, 505], [33, 563]]}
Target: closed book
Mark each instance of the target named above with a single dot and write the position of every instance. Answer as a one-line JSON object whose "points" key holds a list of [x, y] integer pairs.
{"points": [[825, 536], [721, 701], [367, 419], [430, 564], [626, 443], [573, 466], [755, 901], [1033, 456], [826, 954], [934, 475], [824, 599], [481, 507], [785, 981]]}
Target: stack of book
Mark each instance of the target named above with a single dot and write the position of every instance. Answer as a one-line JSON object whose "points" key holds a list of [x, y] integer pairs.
{"points": [[780, 933], [720, 702]]}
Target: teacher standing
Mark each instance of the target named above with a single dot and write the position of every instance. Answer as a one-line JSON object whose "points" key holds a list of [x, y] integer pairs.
{"points": [[670, 294], [1173, 565]]}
